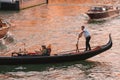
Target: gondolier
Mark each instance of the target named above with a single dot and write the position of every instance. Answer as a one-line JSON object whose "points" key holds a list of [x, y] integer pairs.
{"points": [[87, 37]]}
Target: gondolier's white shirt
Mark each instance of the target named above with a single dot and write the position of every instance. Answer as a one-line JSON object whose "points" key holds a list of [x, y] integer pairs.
{"points": [[86, 33]]}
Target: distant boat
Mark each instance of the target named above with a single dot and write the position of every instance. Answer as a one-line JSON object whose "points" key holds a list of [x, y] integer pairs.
{"points": [[3, 29], [102, 12]]}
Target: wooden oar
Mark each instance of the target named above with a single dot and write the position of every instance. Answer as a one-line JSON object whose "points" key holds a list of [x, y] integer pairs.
{"points": [[77, 48]]}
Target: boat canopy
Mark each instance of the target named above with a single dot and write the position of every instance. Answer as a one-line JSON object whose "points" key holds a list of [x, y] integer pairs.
{"points": [[8, 1], [101, 8]]}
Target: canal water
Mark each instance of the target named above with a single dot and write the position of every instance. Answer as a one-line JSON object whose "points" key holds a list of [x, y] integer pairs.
{"points": [[59, 24]]}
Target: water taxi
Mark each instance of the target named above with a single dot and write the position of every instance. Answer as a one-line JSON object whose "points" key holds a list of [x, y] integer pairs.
{"points": [[102, 12]]}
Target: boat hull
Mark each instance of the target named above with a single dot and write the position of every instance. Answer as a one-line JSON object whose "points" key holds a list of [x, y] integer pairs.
{"points": [[10, 5], [3, 30], [103, 15]]}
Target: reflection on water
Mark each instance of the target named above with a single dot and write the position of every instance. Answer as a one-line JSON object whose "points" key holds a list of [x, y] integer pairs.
{"points": [[59, 25], [70, 70], [6, 40], [46, 67]]}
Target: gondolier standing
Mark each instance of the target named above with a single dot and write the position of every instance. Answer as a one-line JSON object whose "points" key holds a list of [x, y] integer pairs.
{"points": [[87, 37]]}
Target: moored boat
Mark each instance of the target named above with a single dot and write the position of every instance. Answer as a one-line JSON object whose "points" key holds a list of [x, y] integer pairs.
{"points": [[68, 56], [97, 13], [3, 29], [9, 4]]}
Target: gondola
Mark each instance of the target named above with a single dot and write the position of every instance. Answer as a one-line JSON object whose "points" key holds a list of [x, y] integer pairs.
{"points": [[67, 56], [98, 13]]}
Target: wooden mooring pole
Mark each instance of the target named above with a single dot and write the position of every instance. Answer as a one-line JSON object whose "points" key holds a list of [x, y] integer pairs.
{"points": [[47, 1]]}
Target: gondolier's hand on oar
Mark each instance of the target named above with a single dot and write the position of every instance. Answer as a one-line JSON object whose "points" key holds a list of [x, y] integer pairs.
{"points": [[77, 49]]}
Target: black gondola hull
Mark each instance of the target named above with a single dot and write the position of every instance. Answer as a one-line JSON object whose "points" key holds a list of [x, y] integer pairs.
{"points": [[37, 59]]}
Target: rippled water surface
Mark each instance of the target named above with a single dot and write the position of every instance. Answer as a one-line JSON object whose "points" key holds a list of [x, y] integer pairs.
{"points": [[59, 25]]}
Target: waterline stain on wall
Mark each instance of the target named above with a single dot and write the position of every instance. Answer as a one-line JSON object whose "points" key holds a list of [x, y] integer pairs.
{"points": [[24, 4]]}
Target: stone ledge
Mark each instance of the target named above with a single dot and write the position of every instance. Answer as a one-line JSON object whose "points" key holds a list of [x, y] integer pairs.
{"points": [[21, 4]]}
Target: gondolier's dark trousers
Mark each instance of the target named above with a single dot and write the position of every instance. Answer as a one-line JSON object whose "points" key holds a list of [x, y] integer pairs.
{"points": [[87, 43]]}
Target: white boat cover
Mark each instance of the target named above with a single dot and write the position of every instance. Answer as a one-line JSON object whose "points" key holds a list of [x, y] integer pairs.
{"points": [[8, 1]]}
